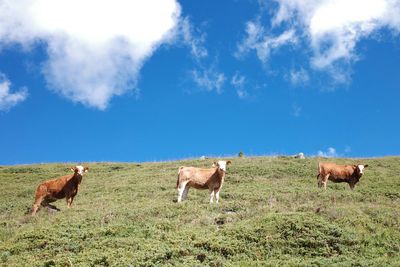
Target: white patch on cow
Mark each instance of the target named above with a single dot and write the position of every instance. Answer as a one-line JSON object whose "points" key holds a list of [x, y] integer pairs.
{"points": [[181, 189], [222, 165], [361, 168], [212, 196], [217, 196]]}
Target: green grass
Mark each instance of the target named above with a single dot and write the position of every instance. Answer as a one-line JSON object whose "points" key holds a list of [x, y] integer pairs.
{"points": [[271, 213]]}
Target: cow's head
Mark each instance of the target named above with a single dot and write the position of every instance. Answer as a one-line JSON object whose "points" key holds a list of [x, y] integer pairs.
{"points": [[79, 169], [221, 164], [359, 169]]}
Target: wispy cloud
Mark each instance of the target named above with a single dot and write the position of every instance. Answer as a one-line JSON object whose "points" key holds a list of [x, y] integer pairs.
{"points": [[263, 44], [332, 152], [238, 81], [205, 75], [209, 79], [299, 77], [195, 39], [8, 99], [95, 48], [330, 28], [329, 153]]}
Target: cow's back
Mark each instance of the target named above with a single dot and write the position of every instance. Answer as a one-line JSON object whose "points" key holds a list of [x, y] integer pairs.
{"points": [[196, 177], [57, 187], [337, 172], [326, 167]]}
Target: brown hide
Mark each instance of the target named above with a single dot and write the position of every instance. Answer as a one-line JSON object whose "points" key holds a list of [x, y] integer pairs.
{"points": [[201, 178], [338, 173]]}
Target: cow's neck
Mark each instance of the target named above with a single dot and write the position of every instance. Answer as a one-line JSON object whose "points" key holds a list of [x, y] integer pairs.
{"points": [[356, 172], [77, 178], [220, 172]]}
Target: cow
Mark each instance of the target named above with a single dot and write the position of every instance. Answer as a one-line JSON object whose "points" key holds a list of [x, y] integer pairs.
{"points": [[211, 179], [66, 186], [350, 174]]}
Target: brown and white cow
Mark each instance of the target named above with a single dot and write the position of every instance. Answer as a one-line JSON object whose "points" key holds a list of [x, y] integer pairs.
{"points": [[350, 174], [211, 179], [66, 186]]}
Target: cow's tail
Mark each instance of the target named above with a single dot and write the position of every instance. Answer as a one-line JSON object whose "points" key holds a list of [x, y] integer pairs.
{"points": [[179, 172]]}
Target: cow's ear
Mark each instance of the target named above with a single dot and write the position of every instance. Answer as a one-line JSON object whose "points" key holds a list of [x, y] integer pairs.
{"points": [[366, 165], [228, 162], [86, 169], [72, 169], [214, 164]]}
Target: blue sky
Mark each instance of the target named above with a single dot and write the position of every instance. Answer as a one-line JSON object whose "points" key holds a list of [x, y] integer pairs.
{"points": [[163, 79]]}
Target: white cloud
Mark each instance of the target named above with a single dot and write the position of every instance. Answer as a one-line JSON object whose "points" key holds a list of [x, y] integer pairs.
{"points": [[238, 81], [190, 38], [205, 76], [95, 48], [8, 99], [299, 77], [329, 153], [334, 27], [257, 39], [209, 79], [330, 28]]}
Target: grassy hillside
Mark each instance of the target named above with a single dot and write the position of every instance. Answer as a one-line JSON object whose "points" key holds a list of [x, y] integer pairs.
{"points": [[271, 213]]}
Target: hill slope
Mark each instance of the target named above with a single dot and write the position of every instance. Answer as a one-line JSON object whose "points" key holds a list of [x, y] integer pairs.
{"points": [[270, 213]]}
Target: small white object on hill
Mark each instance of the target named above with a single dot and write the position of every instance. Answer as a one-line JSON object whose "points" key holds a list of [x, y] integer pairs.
{"points": [[299, 156]]}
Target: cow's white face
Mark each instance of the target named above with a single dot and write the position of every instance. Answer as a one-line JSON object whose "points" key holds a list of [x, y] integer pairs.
{"points": [[79, 169], [361, 168], [222, 164]]}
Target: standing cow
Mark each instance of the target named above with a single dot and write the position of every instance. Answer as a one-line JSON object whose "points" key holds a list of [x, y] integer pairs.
{"points": [[66, 186], [211, 179], [350, 174]]}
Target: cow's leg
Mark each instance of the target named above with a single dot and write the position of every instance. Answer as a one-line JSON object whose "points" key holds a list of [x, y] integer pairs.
{"points": [[216, 193], [319, 180], [352, 186], [185, 192], [36, 204], [181, 188], [40, 196], [46, 203], [69, 201], [211, 195], [325, 180]]}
